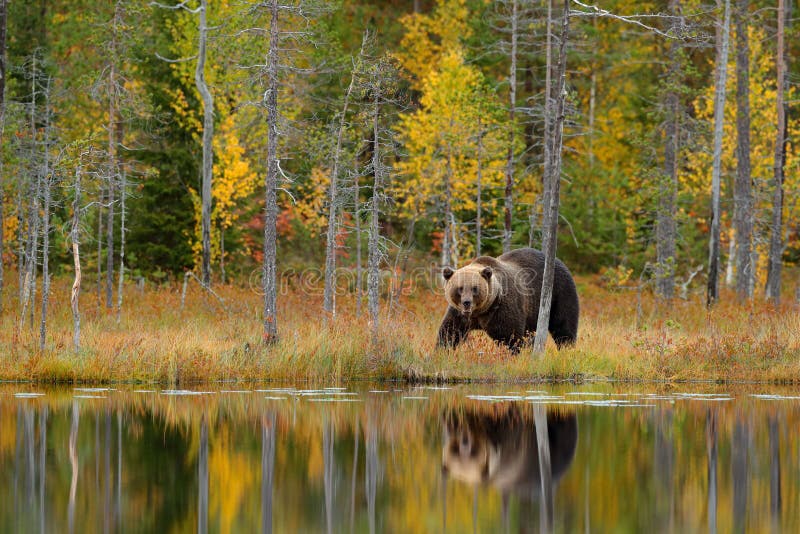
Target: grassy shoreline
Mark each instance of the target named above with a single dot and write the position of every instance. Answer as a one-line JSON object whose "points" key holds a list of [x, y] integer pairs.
{"points": [[620, 339]]}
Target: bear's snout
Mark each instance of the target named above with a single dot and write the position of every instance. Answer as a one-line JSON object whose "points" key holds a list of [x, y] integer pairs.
{"points": [[467, 304]]}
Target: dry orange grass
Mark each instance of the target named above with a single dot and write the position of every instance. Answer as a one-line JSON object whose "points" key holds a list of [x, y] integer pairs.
{"points": [[158, 341]]}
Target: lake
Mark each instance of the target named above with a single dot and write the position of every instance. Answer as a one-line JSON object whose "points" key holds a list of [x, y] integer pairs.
{"points": [[391, 458]]}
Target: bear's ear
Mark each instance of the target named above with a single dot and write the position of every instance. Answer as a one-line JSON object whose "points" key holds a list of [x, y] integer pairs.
{"points": [[487, 273], [447, 272]]}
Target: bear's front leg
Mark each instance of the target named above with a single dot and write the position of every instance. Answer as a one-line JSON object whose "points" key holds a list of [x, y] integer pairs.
{"points": [[453, 330], [509, 331]]}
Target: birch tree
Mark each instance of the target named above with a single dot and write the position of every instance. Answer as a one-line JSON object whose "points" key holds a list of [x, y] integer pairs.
{"points": [[742, 193], [773, 289], [553, 178], [723, 35]]}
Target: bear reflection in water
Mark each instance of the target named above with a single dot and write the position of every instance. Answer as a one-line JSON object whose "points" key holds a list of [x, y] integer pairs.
{"points": [[498, 447]]}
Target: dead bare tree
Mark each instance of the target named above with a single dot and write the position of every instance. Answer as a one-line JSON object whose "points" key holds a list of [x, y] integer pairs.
{"points": [[76, 259], [123, 194], [723, 38], [34, 194], [773, 289], [553, 178], [271, 201], [329, 297], [47, 179], [377, 89], [512, 107]]}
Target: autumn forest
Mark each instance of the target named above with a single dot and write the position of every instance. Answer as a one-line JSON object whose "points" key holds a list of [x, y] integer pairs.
{"points": [[186, 167]]}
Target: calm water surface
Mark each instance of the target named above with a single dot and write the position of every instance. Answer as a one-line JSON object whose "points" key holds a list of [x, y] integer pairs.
{"points": [[378, 458]]}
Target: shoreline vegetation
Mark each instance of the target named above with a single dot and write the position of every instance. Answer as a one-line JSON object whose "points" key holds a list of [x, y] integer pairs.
{"points": [[624, 335]]}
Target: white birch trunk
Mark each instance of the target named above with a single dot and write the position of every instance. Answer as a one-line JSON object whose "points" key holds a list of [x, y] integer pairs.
{"points": [[208, 150], [719, 119]]}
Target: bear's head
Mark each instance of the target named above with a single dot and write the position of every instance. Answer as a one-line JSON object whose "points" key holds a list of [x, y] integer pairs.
{"points": [[471, 289], [467, 454]]}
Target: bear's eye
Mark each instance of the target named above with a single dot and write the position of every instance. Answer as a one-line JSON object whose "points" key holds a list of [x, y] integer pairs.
{"points": [[458, 291], [474, 290]]}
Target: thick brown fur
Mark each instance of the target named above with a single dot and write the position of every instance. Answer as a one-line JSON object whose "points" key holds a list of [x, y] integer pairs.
{"points": [[501, 297]]}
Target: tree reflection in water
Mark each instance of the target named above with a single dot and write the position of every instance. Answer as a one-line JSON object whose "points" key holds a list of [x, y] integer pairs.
{"points": [[411, 461]]}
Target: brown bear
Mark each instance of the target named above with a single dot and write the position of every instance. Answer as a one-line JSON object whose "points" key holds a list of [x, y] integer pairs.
{"points": [[501, 297]]}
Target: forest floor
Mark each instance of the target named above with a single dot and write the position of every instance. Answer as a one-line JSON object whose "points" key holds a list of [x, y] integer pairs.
{"points": [[622, 336]]}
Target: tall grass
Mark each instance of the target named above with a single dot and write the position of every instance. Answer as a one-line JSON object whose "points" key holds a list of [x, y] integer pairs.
{"points": [[156, 340]]}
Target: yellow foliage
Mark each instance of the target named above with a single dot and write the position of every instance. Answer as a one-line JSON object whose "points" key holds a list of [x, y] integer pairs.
{"points": [[311, 198], [429, 37], [441, 139], [233, 181]]}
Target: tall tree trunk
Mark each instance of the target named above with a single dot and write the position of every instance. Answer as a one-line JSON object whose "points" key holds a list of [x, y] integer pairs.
{"points": [[357, 221], [447, 243], [100, 247], [723, 36], [666, 227], [479, 195], [121, 278], [548, 118], [329, 297], [776, 238], [76, 258], [47, 183], [208, 150], [113, 156], [3, 18], [34, 193], [512, 108], [742, 193], [271, 210], [554, 179], [373, 276]]}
